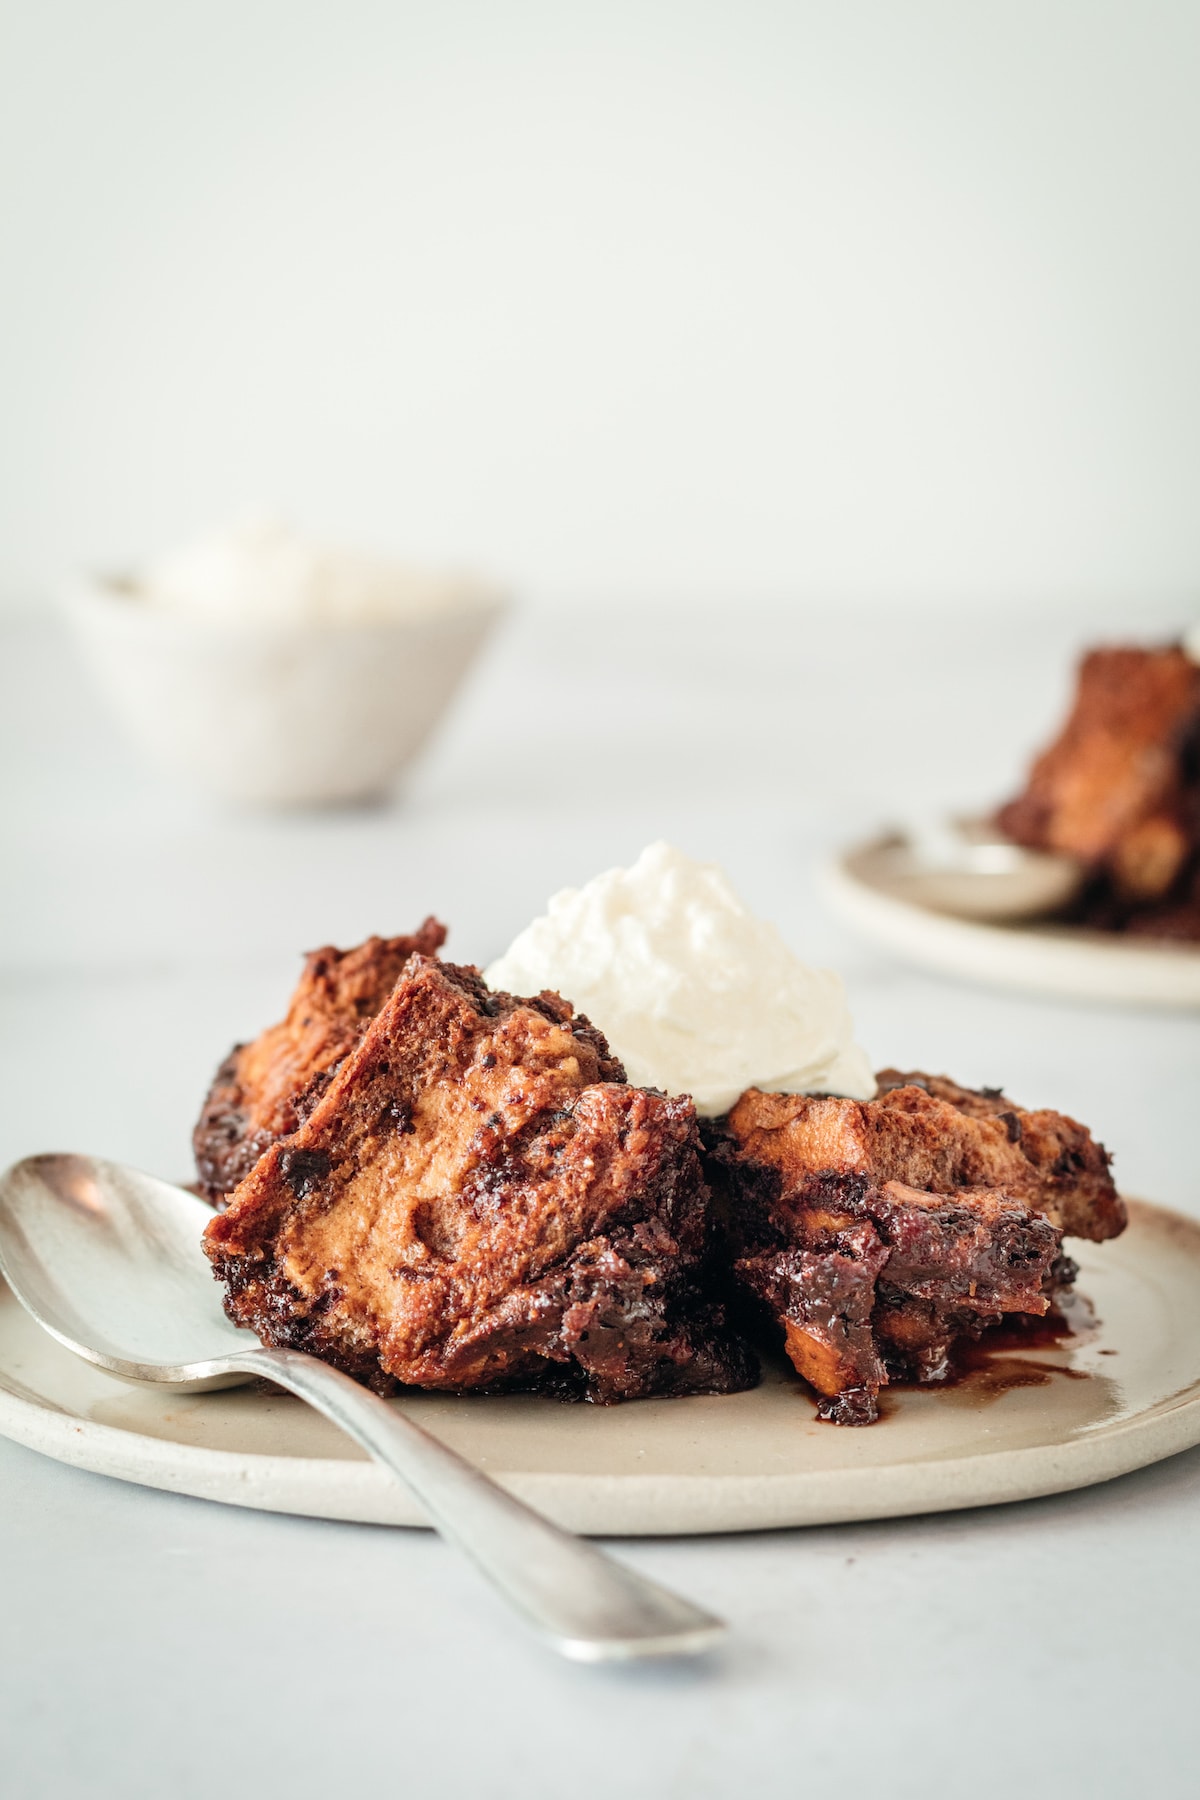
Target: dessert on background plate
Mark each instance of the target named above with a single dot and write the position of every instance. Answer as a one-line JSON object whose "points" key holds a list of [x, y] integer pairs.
{"points": [[671, 1146], [1086, 883], [1119, 790], [274, 670]]}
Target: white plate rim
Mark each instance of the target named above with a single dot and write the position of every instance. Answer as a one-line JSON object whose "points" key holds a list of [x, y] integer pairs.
{"points": [[623, 1505], [1061, 959]]}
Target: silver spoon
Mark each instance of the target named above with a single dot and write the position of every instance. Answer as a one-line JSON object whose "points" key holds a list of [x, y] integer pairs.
{"points": [[109, 1261], [965, 867]]}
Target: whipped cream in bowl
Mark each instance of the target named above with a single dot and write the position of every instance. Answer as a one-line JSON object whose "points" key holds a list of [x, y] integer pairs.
{"points": [[693, 992], [276, 670], [263, 572]]}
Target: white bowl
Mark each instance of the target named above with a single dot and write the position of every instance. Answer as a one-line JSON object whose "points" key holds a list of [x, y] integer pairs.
{"points": [[282, 715]]}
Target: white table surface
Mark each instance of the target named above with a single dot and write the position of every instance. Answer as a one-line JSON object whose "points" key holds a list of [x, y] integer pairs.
{"points": [[154, 1645]]}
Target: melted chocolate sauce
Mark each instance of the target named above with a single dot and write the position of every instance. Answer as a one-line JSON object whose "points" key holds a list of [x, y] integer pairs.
{"points": [[985, 1368]]}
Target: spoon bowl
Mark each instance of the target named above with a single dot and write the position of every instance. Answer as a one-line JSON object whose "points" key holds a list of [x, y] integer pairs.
{"points": [[966, 868], [110, 1262]]}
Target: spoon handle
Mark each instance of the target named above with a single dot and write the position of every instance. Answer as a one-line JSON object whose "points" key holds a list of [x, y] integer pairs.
{"points": [[590, 1608]]}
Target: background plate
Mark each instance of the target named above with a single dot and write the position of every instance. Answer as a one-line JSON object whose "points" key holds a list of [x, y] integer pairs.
{"points": [[1039, 1422], [1042, 958]]}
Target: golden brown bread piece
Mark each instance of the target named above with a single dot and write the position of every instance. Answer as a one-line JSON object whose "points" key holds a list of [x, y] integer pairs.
{"points": [[931, 1134], [263, 1088], [878, 1233], [479, 1200], [1120, 788], [1038, 1156], [1115, 763]]}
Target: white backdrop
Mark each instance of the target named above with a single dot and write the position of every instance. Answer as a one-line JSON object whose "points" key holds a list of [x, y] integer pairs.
{"points": [[883, 298]]}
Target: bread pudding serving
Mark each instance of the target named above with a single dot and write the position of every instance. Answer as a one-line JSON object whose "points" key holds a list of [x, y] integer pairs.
{"points": [[431, 1181], [879, 1234], [263, 1090], [479, 1199], [1119, 789]]}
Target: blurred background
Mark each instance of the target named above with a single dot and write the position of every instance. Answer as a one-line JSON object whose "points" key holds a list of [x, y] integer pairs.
{"points": [[753, 299], [818, 378]]}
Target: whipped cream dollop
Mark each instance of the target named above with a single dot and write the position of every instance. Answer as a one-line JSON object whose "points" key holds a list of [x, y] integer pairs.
{"points": [[264, 572], [1191, 642], [695, 995]]}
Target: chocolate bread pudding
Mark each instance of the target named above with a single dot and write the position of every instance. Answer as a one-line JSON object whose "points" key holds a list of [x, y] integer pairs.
{"points": [[1119, 788], [432, 1182], [263, 1089], [877, 1234], [477, 1199]]}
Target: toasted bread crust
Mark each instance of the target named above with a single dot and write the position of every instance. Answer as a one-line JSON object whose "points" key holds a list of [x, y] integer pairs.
{"points": [[878, 1233], [929, 1133], [263, 1089], [1119, 788], [478, 1200]]}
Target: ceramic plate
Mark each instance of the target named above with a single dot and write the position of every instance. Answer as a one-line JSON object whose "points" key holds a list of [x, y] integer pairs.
{"points": [[1125, 1393], [1042, 958]]}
